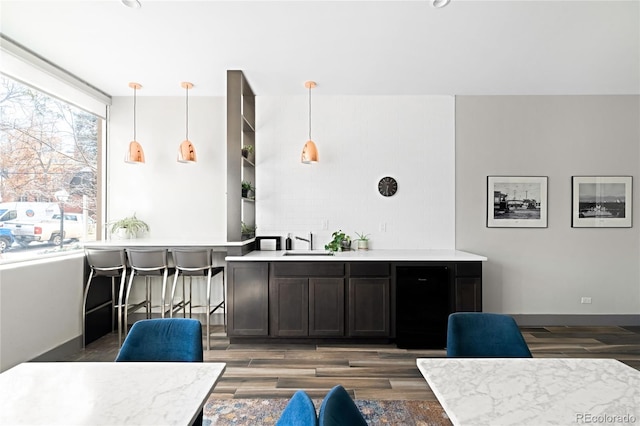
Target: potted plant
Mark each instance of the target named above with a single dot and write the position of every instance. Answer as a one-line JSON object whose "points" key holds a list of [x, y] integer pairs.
{"points": [[129, 227], [247, 231], [363, 241], [247, 150], [340, 242], [246, 187]]}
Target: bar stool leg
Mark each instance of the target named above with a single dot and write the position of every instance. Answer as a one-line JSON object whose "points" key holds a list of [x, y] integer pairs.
{"points": [[123, 281], [173, 292], [126, 303], [224, 302], [208, 319], [165, 278]]}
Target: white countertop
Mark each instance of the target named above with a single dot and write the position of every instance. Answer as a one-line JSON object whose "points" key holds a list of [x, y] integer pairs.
{"points": [[166, 243], [106, 393], [534, 391], [361, 255]]}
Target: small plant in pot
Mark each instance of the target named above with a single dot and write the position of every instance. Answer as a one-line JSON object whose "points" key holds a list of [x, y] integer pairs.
{"points": [[129, 227], [247, 150], [247, 231], [340, 242], [246, 188], [363, 241]]}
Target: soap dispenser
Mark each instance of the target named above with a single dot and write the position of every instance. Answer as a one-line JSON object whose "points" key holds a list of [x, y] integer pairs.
{"points": [[287, 243]]}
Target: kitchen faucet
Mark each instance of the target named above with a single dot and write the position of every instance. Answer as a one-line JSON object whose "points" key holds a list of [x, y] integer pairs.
{"points": [[309, 240]]}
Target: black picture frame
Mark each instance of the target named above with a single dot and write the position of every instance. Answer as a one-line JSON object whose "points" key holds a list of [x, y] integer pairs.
{"points": [[517, 201], [601, 201]]}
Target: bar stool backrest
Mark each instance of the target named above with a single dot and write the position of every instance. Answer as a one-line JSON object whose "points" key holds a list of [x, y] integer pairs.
{"points": [[106, 262], [192, 259], [147, 260]]}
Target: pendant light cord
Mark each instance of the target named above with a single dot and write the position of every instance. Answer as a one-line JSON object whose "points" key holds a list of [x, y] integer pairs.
{"points": [[134, 113], [309, 112], [187, 116]]}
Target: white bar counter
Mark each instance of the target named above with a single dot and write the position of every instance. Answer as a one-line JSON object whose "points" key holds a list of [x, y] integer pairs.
{"points": [[167, 243], [359, 255], [534, 391], [106, 393]]}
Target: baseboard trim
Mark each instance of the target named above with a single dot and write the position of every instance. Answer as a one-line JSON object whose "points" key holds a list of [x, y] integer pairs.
{"points": [[62, 351], [543, 320]]}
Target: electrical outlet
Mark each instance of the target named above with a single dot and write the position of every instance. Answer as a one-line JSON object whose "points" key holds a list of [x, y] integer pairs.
{"points": [[325, 225], [383, 227], [585, 300]]}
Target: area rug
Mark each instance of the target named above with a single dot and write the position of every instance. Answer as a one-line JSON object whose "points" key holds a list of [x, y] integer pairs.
{"points": [[224, 412]]}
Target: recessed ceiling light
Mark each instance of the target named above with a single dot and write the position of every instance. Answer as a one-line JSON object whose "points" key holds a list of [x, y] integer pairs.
{"points": [[133, 4], [440, 3]]}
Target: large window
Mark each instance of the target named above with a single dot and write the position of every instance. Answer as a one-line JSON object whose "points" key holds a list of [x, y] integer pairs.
{"points": [[48, 166]]}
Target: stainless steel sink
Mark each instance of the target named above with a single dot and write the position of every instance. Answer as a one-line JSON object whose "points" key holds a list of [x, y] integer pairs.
{"points": [[307, 253]]}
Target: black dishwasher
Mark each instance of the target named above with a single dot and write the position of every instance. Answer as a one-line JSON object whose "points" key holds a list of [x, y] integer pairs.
{"points": [[423, 305]]}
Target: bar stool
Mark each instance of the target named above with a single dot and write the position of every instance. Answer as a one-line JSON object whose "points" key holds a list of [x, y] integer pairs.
{"points": [[147, 263], [106, 263], [192, 263]]}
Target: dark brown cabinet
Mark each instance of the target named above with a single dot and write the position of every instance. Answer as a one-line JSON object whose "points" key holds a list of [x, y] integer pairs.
{"points": [[306, 299], [289, 305], [326, 307], [369, 307], [360, 300], [468, 287], [248, 299]]}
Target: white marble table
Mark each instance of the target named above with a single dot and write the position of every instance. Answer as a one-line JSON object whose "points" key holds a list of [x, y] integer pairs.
{"points": [[534, 391], [106, 393]]}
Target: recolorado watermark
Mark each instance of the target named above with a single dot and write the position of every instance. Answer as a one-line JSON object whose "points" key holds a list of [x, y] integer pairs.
{"points": [[588, 418]]}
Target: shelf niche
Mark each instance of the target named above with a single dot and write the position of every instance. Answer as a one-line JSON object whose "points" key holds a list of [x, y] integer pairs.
{"points": [[241, 124]]}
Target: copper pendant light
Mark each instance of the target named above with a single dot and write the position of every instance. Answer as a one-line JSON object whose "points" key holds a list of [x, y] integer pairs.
{"points": [[440, 3], [186, 151], [310, 151], [135, 154]]}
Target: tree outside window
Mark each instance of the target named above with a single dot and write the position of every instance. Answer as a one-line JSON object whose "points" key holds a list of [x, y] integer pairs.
{"points": [[47, 145]]}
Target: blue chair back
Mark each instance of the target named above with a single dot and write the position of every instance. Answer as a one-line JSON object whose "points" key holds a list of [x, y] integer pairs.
{"points": [[163, 340], [300, 411], [338, 409], [484, 335]]}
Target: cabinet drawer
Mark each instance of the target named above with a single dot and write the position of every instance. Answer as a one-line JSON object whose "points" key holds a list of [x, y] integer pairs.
{"points": [[308, 269], [469, 269], [370, 269]]}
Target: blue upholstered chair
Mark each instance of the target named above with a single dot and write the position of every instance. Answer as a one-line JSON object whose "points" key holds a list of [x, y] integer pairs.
{"points": [[163, 340], [300, 411], [338, 409], [484, 335]]}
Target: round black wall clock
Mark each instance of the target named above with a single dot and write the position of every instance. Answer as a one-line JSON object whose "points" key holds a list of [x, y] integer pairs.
{"points": [[387, 186]]}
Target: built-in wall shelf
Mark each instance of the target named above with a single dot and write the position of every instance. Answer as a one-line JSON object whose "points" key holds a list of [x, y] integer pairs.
{"points": [[241, 124]]}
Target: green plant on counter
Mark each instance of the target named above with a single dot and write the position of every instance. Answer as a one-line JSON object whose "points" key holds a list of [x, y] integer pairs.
{"points": [[340, 242], [362, 236], [131, 225], [247, 230]]}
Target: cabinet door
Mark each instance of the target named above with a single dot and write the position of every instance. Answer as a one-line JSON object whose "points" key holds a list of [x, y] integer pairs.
{"points": [[468, 287], [468, 294], [289, 302], [369, 307], [248, 299], [326, 307]]}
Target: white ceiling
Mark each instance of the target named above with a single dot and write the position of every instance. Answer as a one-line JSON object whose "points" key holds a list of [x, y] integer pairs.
{"points": [[471, 47]]}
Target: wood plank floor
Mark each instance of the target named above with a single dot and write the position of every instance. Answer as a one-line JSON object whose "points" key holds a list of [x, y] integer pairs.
{"points": [[369, 371]]}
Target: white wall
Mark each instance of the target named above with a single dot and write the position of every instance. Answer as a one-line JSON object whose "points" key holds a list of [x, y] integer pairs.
{"points": [[175, 199], [40, 305], [547, 271], [360, 139]]}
